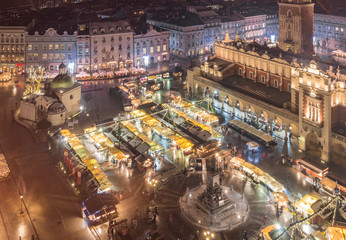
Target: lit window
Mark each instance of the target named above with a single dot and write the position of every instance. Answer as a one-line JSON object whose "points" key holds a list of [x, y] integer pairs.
{"points": [[56, 47], [151, 49], [337, 29], [44, 57], [263, 79], [164, 48], [62, 56], [45, 47], [341, 29], [69, 47], [62, 47], [57, 56], [158, 48], [144, 51], [50, 47], [29, 47]]}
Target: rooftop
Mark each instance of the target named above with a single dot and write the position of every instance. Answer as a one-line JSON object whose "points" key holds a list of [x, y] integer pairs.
{"points": [[289, 57], [182, 18], [257, 90]]}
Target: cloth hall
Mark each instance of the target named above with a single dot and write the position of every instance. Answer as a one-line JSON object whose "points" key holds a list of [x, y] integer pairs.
{"points": [[286, 90]]}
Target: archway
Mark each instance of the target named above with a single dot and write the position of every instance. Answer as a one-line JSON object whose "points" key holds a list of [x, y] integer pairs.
{"points": [[312, 144], [250, 115], [206, 92], [216, 95], [293, 129], [226, 100], [263, 123]]}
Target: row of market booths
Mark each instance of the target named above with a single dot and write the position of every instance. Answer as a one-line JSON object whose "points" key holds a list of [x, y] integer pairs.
{"points": [[257, 174], [194, 112], [263, 138], [154, 129], [319, 175], [106, 74], [311, 209], [201, 132], [332, 233], [86, 171]]}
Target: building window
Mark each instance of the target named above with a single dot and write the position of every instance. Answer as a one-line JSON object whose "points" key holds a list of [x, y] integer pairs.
{"points": [[144, 51], [69, 56], [276, 83], [35, 47], [151, 49], [138, 51], [56, 47], [62, 47], [50, 47], [289, 87], [62, 56], [69, 47], [30, 57], [35, 57], [158, 48], [44, 47], [57, 56], [44, 57], [51, 57], [240, 71], [51, 67], [164, 48], [29, 47], [251, 75], [263, 79]]}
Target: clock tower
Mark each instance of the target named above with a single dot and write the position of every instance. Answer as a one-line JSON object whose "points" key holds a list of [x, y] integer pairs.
{"points": [[296, 18]]}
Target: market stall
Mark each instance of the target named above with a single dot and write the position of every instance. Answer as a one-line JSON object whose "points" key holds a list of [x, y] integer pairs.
{"points": [[100, 208], [261, 136], [330, 185], [271, 183], [304, 205], [236, 162], [334, 233], [252, 146], [195, 112], [252, 171]]}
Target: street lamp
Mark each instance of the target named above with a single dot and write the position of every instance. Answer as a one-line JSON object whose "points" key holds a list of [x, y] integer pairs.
{"points": [[21, 203]]}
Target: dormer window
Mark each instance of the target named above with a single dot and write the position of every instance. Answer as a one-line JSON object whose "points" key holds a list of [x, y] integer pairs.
{"points": [[94, 31], [128, 28], [119, 28], [102, 30], [111, 29]]}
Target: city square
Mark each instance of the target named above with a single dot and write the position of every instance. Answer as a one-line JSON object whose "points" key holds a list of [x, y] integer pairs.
{"points": [[203, 124]]}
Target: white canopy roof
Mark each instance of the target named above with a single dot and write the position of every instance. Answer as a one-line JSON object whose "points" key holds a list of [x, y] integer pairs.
{"points": [[265, 137]]}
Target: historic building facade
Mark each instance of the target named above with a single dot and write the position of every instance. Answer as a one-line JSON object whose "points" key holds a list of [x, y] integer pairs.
{"points": [[12, 42], [153, 45], [267, 87], [296, 25], [50, 49], [111, 45]]}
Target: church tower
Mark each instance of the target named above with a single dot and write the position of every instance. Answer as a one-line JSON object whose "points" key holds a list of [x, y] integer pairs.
{"points": [[296, 18]]}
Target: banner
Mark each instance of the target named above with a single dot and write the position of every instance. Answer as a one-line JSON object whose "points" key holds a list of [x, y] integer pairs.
{"points": [[65, 157], [79, 176]]}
